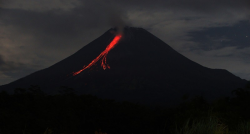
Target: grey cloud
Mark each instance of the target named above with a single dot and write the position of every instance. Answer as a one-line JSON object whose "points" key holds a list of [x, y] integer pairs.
{"points": [[9, 65], [98, 13], [57, 27], [57, 22], [46, 22], [196, 5], [39, 5], [48, 29], [1, 60], [220, 37]]}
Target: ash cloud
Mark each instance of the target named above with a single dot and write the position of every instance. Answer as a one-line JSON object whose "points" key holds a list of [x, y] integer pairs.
{"points": [[103, 13]]}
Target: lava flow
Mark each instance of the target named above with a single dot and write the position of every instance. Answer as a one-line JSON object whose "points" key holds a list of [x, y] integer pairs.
{"points": [[103, 55]]}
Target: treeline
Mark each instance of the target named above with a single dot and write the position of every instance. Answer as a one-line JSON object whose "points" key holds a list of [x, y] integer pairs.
{"points": [[30, 111]]}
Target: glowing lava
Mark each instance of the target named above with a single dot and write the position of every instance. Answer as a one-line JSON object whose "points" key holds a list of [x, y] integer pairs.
{"points": [[103, 55]]}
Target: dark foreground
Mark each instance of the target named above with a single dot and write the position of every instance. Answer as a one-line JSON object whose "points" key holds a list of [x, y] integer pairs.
{"points": [[30, 111]]}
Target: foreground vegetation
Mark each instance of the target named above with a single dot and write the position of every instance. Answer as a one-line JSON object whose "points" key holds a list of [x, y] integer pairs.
{"points": [[30, 111]]}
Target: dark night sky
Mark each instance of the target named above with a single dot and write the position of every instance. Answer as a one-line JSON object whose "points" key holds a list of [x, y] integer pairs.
{"points": [[35, 34]]}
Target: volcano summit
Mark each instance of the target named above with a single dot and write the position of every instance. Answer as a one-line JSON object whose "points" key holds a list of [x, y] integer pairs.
{"points": [[142, 69]]}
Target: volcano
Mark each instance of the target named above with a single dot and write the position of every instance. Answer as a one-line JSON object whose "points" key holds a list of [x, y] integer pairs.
{"points": [[141, 68]]}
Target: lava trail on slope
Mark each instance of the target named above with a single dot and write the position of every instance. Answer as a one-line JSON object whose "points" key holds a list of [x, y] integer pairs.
{"points": [[102, 56]]}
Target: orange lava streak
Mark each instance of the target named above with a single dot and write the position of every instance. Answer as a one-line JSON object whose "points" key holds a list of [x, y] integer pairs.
{"points": [[103, 55]]}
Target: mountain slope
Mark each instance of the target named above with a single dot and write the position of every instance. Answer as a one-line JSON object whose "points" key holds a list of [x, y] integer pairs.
{"points": [[143, 69]]}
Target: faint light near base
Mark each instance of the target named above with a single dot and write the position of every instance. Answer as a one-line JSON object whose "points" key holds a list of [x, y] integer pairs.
{"points": [[246, 36]]}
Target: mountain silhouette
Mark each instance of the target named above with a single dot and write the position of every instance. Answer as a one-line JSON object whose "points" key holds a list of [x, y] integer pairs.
{"points": [[143, 69]]}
